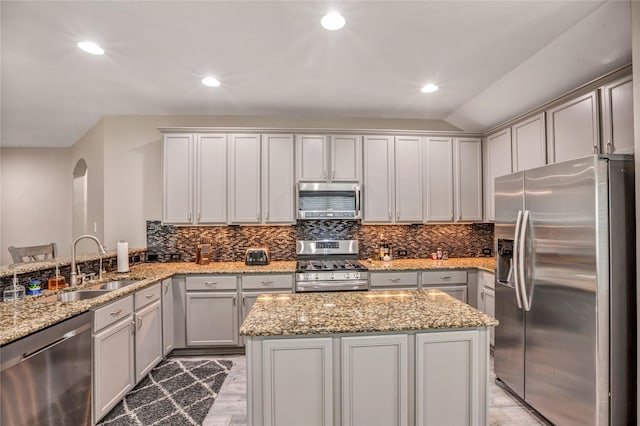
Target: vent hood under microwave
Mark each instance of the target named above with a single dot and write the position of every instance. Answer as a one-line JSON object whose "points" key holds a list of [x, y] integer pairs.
{"points": [[321, 200]]}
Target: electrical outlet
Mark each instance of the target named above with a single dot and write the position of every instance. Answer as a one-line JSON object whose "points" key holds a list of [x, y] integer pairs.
{"points": [[401, 253], [486, 251]]}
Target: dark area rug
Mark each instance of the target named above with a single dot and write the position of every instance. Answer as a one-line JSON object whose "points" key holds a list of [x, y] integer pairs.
{"points": [[176, 392]]}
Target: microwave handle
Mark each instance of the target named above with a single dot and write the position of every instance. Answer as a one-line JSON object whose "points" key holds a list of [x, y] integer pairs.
{"points": [[357, 200]]}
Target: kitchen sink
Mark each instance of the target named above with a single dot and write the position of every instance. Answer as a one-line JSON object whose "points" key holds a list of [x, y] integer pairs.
{"points": [[74, 296], [114, 285]]}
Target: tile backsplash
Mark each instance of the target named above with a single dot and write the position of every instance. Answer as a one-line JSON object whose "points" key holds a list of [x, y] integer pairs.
{"points": [[167, 242]]}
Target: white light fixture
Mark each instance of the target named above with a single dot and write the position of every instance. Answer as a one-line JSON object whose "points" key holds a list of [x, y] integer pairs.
{"points": [[91, 47], [429, 88], [332, 21], [210, 81]]}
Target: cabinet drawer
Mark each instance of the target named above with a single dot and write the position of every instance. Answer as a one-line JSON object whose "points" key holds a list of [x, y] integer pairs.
{"points": [[112, 312], [146, 296], [389, 279], [212, 282], [444, 277], [267, 282]]}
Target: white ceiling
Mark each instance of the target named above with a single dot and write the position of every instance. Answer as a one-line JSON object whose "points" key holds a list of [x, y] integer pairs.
{"points": [[492, 60]]}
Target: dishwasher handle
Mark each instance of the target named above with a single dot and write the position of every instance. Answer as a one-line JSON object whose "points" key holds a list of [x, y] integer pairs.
{"points": [[65, 337]]}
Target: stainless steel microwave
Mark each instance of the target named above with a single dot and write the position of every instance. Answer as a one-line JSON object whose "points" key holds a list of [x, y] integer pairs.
{"points": [[321, 200]]}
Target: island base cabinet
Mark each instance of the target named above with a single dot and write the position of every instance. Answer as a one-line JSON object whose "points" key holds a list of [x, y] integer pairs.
{"points": [[451, 378], [114, 372], [374, 380], [297, 377]]}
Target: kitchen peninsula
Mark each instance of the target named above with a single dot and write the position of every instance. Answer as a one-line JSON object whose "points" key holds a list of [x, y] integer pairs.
{"points": [[367, 358]]}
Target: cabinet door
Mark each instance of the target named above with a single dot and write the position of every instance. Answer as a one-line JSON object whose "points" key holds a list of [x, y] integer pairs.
{"points": [[177, 178], [529, 143], [468, 179], [212, 319], [490, 309], [573, 129], [167, 317], [244, 179], [148, 338], [378, 179], [374, 380], [113, 365], [439, 179], [498, 162], [297, 382], [312, 157], [408, 188], [617, 116], [346, 158], [447, 378], [278, 196], [211, 179]]}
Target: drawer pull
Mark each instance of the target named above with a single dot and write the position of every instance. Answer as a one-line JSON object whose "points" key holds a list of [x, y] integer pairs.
{"points": [[114, 313], [211, 283], [394, 280], [139, 323], [267, 283], [149, 296], [446, 278]]}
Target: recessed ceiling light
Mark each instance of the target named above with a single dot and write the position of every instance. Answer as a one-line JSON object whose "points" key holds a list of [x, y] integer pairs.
{"points": [[429, 88], [91, 47], [210, 81], [332, 21]]}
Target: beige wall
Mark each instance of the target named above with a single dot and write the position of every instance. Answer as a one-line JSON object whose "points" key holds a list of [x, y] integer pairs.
{"points": [[90, 147], [35, 196]]}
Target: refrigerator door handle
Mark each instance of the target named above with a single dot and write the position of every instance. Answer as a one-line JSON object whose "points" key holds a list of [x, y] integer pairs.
{"points": [[526, 302], [516, 252]]}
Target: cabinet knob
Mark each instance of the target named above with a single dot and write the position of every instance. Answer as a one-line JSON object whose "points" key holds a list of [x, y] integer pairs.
{"points": [[198, 216], [234, 300], [133, 327], [595, 149], [609, 147], [139, 323], [267, 215], [389, 214], [398, 215], [243, 300], [189, 216]]}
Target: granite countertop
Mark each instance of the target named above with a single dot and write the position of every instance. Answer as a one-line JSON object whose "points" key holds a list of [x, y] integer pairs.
{"points": [[487, 264], [21, 318], [357, 312]]}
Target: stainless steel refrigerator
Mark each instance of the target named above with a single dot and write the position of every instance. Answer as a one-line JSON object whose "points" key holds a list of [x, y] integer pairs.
{"points": [[565, 290]]}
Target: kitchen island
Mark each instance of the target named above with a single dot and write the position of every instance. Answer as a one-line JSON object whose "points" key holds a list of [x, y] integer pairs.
{"points": [[367, 358]]}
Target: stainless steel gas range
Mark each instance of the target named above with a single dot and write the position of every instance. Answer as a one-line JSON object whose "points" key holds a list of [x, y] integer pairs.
{"points": [[329, 265]]}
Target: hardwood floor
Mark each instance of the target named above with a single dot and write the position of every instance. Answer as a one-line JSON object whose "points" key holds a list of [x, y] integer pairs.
{"points": [[230, 407]]}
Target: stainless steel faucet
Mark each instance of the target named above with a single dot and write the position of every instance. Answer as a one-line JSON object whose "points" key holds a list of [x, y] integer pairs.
{"points": [[74, 274]]}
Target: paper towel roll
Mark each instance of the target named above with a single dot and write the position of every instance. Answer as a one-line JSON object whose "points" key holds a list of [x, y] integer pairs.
{"points": [[123, 256]]}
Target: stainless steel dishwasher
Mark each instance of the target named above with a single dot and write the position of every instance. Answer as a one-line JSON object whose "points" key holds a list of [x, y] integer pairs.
{"points": [[46, 377]]}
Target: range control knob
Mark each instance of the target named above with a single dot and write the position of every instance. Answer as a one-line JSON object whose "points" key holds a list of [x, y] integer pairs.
{"points": [[332, 276], [346, 275], [306, 276], [356, 275], [316, 276]]}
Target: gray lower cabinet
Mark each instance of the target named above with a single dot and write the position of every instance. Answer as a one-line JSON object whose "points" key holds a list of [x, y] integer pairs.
{"points": [[450, 379], [168, 339], [148, 335], [297, 382], [487, 302], [425, 378], [393, 280], [212, 318], [452, 282], [113, 355], [374, 380]]}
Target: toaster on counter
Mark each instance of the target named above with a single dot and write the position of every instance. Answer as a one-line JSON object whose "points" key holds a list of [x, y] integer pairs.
{"points": [[257, 256]]}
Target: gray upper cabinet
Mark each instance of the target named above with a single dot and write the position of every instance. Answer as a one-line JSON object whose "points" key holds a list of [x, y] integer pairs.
{"points": [[194, 178], [468, 179], [332, 158], [572, 128], [497, 163], [408, 179], [529, 143], [244, 178], [438, 175], [278, 184], [617, 116], [378, 179], [177, 178]]}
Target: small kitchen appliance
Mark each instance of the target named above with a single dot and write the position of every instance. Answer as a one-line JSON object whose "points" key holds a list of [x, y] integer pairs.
{"points": [[257, 256], [329, 265], [321, 200]]}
